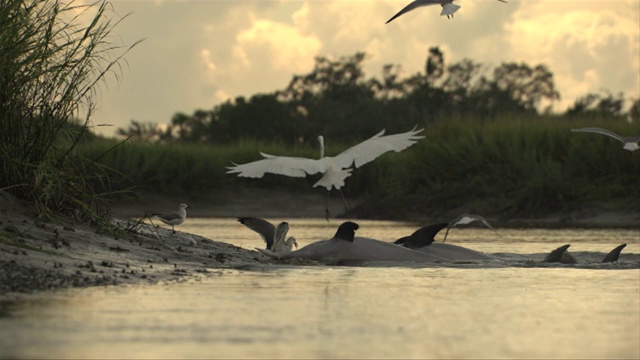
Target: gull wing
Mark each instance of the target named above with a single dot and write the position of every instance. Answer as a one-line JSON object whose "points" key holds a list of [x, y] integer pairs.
{"points": [[449, 9], [596, 130], [413, 5], [278, 238], [167, 217], [377, 145], [466, 219], [266, 229], [281, 165]]}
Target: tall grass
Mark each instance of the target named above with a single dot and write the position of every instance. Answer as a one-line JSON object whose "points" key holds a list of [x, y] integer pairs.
{"points": [[508, 166], [528, 168], [53, 56]]}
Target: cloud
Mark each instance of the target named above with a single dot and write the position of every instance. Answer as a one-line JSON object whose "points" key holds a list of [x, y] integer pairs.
{"points": [[199, 53], [587, 49], [282, 45]]}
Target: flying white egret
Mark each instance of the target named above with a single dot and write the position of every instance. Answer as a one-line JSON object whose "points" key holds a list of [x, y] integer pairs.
{"points": [[173, 219], [334, 169], [465, 219], [274, 236], [631, 143], [448, 7]]}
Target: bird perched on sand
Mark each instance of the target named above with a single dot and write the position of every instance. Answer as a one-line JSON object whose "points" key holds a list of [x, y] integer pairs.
{"points": [[173, 219], [273, 236], [334, 169], [465, 219], [631, 143], [448, 7]]}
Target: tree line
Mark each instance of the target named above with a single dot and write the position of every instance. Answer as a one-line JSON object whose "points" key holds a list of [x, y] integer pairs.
{"points": [[337, 100]]}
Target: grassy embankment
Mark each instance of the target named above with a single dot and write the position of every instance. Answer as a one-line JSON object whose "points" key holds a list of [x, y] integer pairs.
{"points": [[53, 56], [506, 167]]}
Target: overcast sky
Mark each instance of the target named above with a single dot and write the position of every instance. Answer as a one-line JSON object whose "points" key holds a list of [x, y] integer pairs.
{"points": [[197, 54]]}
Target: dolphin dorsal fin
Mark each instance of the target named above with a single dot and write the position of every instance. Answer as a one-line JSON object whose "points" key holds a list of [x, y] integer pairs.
{"points": [[346, 231], [556, 255], [422, 237], [614, 254]]}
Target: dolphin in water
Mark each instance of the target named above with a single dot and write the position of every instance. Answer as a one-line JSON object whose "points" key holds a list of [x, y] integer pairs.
{"points": [[562, 255], [614, 254], [346, 247], [423, 240]]}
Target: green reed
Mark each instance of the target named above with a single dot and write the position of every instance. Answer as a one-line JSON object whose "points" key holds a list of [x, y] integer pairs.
{"points": [[53, 56], [507, 166]]}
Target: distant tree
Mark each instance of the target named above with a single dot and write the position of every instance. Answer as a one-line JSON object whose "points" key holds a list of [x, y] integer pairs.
{"points": [[191, 128], [149, 131], [461, 77], [634, 111], [527, 86], [434, 66], [334, 99], [263, 117], [600, 106]]}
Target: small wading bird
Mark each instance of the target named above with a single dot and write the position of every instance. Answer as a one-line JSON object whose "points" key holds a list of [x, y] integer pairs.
{"points": [[631, 143], [448, 7], [173, 218], [277, 247], [334, 169]]}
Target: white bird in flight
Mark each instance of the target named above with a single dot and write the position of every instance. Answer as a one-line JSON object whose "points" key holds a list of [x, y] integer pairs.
{"points": [[274, 236], [334, 169], [465, 219], [631, 143], [173, 218], [448, 7]]}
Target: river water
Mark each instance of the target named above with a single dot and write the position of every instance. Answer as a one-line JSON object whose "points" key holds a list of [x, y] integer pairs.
{"points": [[520, 309]]}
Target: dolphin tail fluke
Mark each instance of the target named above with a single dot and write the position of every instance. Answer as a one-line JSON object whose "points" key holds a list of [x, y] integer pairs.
{"points": [[614, 254]]}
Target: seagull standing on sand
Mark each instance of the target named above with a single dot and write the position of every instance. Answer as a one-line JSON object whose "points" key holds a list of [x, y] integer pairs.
{"points": [[173, 219], [277, 247], [465, 219], [334, 169], [448, 7], [631, 143]]}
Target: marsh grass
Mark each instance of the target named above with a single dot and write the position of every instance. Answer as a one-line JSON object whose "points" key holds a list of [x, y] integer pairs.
{"points": [[508, 166], [53, 56]]}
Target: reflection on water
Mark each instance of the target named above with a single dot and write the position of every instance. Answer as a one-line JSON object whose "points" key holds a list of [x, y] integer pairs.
{"points": [[276, 311]]}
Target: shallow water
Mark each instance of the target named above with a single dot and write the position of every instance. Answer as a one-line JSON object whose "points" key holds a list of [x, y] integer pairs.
{"points": [[519, 310]]}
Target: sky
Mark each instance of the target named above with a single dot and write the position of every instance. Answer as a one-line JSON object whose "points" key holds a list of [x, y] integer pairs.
{"points": [[198, 54]]}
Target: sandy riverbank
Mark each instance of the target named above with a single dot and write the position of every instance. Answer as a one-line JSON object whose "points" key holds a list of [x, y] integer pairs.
{"points": [[39, 255]]}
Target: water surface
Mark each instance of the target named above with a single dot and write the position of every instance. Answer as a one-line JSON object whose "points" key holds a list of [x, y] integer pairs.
{"points": [[520, 310]]}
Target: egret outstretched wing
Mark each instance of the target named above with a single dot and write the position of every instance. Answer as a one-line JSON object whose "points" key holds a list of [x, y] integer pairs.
{"points": [[280, 165], [376, 146]]}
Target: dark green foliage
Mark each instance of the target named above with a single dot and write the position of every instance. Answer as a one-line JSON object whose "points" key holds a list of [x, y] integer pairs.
{"points": [[509, 166]]}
